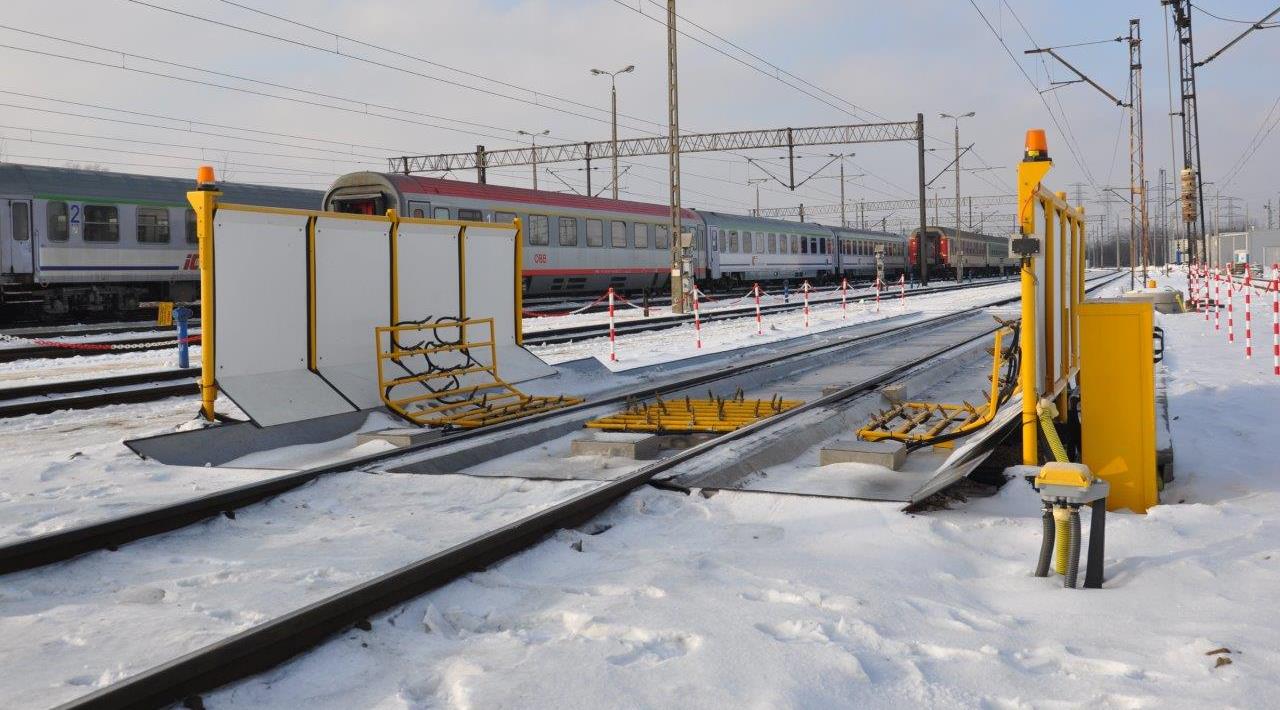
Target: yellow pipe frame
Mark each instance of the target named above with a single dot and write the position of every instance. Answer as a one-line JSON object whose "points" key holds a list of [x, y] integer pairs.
{"points": [[1062, 293], [205, 203]]}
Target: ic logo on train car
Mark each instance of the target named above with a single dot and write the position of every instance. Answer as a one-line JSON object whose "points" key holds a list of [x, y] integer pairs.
{"points": [[539, 258], [192, 263]]}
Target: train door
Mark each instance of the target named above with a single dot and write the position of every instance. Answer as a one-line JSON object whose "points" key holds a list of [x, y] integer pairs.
{"points": [[15, 237]]}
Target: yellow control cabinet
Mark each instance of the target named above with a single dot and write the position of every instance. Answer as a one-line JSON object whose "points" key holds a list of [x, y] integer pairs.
{"points": [[1117, 400]]}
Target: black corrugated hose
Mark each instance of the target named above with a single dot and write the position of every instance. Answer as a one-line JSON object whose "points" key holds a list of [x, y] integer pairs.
{"points": [[1046, 542], [1073, 550]]}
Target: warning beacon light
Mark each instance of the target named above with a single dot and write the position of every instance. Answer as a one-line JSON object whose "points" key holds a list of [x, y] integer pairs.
{"points": [[205, 179], [1037, 146]]}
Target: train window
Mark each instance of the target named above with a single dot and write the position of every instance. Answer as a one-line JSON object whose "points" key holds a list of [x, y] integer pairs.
{"points": [[595, 233], [804, 245], [640, 235], [715, 239], [733, 242], [773, 243], [822, 245], [618, 234], [661, 237], [101, 223], [21, 218], [441, 213], [759, 242], [539, 230], [153, 225], [192, 236], [57, 229], [568, 231], [470, 215], [746, 242], [504, 217]]}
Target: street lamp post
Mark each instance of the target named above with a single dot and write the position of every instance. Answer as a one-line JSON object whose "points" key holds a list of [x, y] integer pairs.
{"points": [[613, 94], [959, 241], [756, 182], [533, 153]]}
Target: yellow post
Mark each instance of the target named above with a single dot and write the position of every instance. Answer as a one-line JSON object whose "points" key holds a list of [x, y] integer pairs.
{"points": [[1035, 164], [204, 200], [519, 282]]}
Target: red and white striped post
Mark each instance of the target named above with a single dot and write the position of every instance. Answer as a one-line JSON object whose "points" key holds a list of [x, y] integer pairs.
{"points": [[1248, 315], [755, 288], [697, 319], [844, 302], [1205, 276], [1231, 309], [879, 283], [1275, 317], [1217, 300], [902, 290], [613, 340], [805, 288]]}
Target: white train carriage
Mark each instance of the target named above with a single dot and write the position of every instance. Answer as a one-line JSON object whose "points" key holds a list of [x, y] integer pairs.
{"points": [[748, 249], [572, 243], [87, 241], [856, 251]]}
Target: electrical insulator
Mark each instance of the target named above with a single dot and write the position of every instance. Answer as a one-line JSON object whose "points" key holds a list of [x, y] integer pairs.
{"points": [[1189, 201]]}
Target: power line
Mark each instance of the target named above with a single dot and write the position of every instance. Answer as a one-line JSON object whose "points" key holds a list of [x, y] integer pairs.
{"points": [[1034, 87], [1228, 19]]}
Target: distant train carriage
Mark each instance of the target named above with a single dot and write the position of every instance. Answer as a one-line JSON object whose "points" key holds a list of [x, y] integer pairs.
{"points": [[856, 252], [947, 252], [572, 243], [748, 249], [88, 241]]}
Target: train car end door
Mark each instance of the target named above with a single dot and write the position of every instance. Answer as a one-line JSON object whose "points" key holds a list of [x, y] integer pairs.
{"points": [[15, 237]]}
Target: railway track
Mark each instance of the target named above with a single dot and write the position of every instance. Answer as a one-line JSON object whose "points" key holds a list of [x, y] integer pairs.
{"points": [[553, 336], [271, 642], [96, 392]]}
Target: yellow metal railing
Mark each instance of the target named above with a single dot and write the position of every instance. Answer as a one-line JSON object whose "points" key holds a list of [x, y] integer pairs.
{"points": [[924, 423], [447, 378], [714, 415], [1052, 285]]}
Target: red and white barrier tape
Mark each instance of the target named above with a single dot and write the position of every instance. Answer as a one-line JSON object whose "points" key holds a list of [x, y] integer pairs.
{"points": [[95, 347], [805, 288]]}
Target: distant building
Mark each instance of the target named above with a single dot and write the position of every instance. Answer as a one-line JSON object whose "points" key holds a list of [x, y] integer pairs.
{"points": [[1258, 247]]}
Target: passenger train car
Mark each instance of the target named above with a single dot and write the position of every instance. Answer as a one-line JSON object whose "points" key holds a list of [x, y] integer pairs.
{"points": [[572, 243], [576, 244], [976, 253], [87, 241]]}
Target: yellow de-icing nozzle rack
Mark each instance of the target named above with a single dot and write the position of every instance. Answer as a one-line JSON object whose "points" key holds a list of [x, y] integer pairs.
{"points": [[713, 415]]}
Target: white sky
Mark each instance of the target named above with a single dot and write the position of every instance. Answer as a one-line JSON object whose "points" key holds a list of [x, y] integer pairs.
{"points": [[925, 56]]}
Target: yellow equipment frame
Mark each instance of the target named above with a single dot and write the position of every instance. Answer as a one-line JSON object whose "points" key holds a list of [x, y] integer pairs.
{"points": [[952, 420], [490, 401], [1060, 293], [714, 415]]}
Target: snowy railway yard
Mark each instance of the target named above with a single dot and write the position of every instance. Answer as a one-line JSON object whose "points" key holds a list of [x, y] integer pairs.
{"points": [[745, 575]]}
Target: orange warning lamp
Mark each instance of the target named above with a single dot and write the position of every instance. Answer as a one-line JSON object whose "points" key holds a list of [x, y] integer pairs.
{"points": [[205, 177], [1037, 146]]}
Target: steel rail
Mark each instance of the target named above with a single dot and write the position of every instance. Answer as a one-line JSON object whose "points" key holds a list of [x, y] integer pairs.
{"points": [[97, 392], [270, 643], [553, 336]]}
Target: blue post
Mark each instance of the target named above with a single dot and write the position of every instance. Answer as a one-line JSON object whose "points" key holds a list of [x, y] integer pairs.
{"points": [[181, 315]]}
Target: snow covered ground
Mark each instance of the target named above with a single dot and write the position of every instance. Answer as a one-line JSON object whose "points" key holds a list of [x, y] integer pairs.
{"points": [[755, 600]]}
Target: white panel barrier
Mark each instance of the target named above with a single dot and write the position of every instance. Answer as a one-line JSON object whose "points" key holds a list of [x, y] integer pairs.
{"points": [[352, 259], [260, 306], [295, 312]]}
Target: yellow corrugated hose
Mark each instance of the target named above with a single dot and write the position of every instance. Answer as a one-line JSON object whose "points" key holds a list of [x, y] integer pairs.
{"points": [[1047, 411]]}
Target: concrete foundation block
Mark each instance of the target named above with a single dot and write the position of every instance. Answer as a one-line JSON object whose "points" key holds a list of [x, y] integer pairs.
{"points": [[408, 436], [894, 393], [890, 454], [621, 444]]}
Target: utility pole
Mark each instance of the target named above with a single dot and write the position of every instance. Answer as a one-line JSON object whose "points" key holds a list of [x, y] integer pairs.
{"points": [[613, 96], [1190, 177], [1267, 206], [959, 242], [756, 182], [679, 280], [533, 138], [1137, 159]]}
